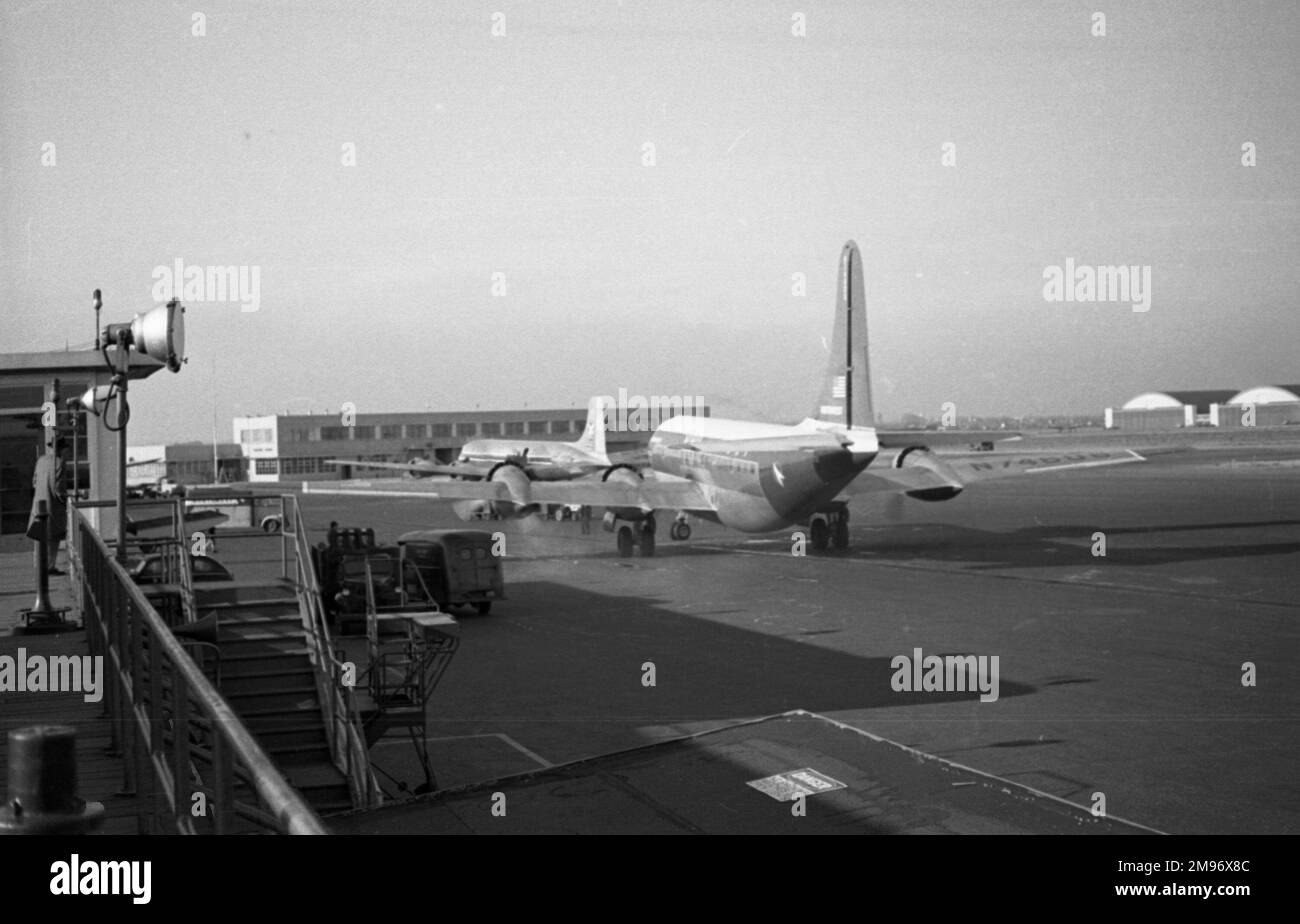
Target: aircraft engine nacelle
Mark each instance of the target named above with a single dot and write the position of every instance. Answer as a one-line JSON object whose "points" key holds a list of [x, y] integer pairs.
{"points": [[519, 487], [473, 509], [623, 474], [415, 472], [922, 457]]}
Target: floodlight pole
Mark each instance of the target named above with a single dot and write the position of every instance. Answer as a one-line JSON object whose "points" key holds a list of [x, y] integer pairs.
{"points": [[121, 374]]}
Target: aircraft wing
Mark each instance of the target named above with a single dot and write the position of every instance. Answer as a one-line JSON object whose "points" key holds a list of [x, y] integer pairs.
{"points": [[466, 469], [940, 472], [651, 494]]}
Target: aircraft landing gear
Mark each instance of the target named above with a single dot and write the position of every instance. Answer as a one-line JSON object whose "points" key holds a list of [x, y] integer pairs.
{"points": [[640, 537], [830, 527], [648, 537], [680, 531]]}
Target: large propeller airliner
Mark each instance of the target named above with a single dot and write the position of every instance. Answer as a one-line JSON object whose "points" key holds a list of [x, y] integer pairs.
{"points": [[539, 460], [758, 477]]}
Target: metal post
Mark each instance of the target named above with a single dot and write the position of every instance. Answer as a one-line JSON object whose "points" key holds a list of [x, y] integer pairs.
{"points": [[122, 370], [96, 302], [42, 617], [157, 752], [181, 750], [43, 785], [223, 772]]}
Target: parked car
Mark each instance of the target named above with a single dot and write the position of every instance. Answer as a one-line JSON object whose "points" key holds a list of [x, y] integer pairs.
{"points": [[150, 570]]}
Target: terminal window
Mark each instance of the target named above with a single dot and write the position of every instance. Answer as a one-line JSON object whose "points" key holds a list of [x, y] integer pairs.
{"points": [[390, 432], [559, 426], [443, 430], [466, 429], [363, 433], [416, 431], [266, 466], [333, 433], [491, 428], [515, 428], [536, 426]]}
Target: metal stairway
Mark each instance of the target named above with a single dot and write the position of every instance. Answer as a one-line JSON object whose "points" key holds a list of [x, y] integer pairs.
{"points": [[268, 677], [265, 645]]}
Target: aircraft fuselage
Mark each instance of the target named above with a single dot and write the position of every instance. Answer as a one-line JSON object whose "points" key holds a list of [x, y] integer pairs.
{"points": [[759, 477]]}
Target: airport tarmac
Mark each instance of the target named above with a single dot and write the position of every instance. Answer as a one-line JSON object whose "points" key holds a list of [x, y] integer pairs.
{"points": [[1120, 675]]}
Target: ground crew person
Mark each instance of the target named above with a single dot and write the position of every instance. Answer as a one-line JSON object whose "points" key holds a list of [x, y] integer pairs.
{"points": [[47, 482]]}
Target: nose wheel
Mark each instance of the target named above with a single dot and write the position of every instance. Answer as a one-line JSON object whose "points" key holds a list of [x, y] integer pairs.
{"points": [[680, 531]]}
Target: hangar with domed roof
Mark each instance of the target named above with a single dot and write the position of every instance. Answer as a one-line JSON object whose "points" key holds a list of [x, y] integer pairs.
{"points": [[1260, 406]]}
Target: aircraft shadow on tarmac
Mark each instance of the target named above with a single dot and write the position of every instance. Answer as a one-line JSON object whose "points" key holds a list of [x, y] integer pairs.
{"points": [[556, 652]]}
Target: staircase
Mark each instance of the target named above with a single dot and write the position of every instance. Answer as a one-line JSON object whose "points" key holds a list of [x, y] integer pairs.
{"points": [[268, 676]]}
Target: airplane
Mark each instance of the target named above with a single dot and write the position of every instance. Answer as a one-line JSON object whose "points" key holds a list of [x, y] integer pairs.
{"points": [[536, 460], [760, 477]]}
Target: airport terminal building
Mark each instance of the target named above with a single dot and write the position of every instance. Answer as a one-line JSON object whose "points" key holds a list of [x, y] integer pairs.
{"points": [[185, 463]]}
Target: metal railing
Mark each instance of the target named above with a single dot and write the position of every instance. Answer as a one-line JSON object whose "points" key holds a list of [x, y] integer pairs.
{"points": [[188, 601], [406, 662], [178, 738], [343, 725]]}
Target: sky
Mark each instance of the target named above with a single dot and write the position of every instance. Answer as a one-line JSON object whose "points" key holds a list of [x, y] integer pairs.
{"points": [[445, 218]]}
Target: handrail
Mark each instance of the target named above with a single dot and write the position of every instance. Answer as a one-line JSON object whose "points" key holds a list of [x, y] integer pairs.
{"points": [[154, 689], [342, 715], [189, 604]]}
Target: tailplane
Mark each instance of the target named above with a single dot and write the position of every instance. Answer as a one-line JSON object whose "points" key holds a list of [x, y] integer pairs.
{"points": [[845, 397], [593, 435]]}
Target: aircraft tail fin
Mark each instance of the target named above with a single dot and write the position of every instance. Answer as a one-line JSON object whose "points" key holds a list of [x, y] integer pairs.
{"points": [[593, 435], [845, 396]]}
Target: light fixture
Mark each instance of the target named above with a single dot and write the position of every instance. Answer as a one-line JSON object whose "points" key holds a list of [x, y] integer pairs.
{"points": [[158, 333], [95, 399]]}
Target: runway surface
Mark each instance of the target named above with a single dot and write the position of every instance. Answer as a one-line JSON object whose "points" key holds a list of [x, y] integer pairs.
{"points": [[1121, 677]]}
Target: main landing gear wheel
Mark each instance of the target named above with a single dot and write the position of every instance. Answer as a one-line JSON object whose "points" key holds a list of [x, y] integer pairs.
{"points": [[840, 535], [647, 544], [625, 542], [680, 531], [820, 535]]}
